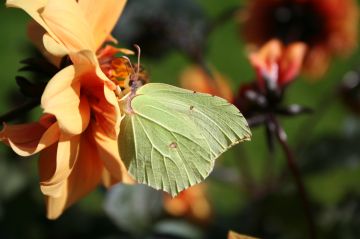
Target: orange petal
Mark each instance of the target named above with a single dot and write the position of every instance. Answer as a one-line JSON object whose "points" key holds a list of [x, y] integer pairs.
{"points": [[56, 205], [109, 51], [111, 113], [97, 85], [107, 179], [62, 164], [102, 17], [86, 63], [47, 168], [291, 61], [197, 79], [66, 20], [85, 176], [53, 48], [36, 34], [28, 139], [191, 203], [62, 20], [266, 56], [108, 152], [62, 99]]}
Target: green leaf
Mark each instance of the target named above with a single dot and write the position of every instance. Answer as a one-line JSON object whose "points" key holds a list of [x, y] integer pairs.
{"points": [[170, 137]]}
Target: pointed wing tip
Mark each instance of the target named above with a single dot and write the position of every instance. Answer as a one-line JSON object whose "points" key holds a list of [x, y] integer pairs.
{"points": [[248, 136], [174, 194]]}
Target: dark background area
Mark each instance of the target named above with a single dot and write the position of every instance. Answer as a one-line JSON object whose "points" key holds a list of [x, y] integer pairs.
{"points": [[326, 145]]}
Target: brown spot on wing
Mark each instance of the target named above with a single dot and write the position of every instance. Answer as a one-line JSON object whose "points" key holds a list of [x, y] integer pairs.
{"points": [[173, 145]]}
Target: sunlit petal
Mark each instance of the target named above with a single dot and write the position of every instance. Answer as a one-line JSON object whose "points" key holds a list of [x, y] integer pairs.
{"points": [[47, 168], [108, 152], [85, 176], [102, 16], [66, 156], [28, 139], [56, 205], [100, 91], [67, 22], [62, 99], [52, 47]]}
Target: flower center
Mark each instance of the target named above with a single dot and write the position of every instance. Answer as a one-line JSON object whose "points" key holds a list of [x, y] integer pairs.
{"points": [[118, 70], [292, 21], [121, 71]]}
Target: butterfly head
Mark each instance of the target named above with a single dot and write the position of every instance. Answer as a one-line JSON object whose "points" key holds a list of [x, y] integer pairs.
{"points": [[138, 75], [125, 75]]}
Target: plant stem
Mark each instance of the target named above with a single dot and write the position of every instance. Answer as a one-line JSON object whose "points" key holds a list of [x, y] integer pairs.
{"points": [[294, 169], [256, 120], [20, 110]]}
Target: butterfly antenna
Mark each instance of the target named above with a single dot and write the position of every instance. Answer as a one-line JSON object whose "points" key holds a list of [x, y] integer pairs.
{"points": [[128, 60], [138, 60]]}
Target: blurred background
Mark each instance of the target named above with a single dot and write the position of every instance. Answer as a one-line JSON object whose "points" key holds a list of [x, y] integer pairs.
{"points": [[251, 189]]}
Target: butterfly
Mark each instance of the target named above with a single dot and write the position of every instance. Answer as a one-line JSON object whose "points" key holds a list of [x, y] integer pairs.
{"points": [[170, 137]]}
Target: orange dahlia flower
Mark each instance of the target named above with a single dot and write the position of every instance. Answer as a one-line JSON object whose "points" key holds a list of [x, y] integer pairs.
{"points": [[197, 79], [77, 135], [328, 27], [276, 66], [277, 63], [191, 203]]}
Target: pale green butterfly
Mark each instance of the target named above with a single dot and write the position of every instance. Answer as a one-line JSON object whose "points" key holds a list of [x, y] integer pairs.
{"points": [[170, 137]]}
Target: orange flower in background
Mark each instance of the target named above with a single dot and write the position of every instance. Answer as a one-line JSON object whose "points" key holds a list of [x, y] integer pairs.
{"points": [[191, 203], [77, 135], [278, 64], [197, 79], [327, 27]]}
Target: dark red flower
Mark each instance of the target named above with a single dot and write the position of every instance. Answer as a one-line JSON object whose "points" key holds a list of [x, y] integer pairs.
{"points": [[276, 66], [328, 27]]}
